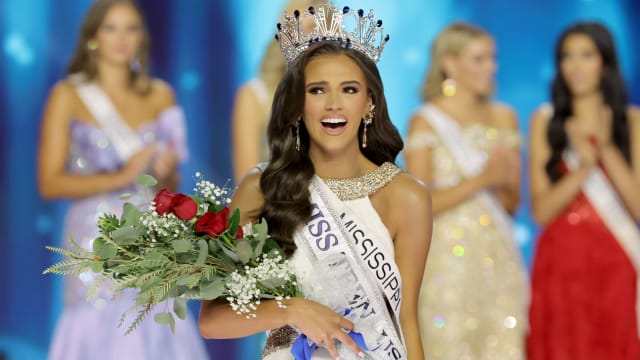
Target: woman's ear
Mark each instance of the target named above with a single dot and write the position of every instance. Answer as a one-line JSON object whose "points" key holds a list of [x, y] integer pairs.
{"points": [[449, 65]]}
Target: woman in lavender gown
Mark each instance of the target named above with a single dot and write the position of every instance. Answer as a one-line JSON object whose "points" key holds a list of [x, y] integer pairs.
{"points": [[103, 126]]}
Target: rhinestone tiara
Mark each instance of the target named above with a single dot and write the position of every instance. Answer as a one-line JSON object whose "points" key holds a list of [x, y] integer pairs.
{"points": [[352, 29]]}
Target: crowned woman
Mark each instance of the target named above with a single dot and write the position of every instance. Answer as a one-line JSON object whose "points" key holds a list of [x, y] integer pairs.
{"points": [[352, 222]]}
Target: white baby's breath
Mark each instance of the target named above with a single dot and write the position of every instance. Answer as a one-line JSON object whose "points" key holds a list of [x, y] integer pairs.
{"points": [[244, 291]]}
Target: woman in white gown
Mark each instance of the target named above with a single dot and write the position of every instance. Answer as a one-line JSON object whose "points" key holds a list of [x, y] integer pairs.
{"points": [[353, 222]]}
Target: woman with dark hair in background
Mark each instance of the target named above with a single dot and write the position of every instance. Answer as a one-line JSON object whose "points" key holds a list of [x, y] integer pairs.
{"points": [[464, 145], [357, 227], [103, 126], [585, 176]]}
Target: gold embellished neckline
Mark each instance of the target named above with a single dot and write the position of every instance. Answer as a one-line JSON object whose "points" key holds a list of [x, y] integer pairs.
{"points": [[365, 185]]}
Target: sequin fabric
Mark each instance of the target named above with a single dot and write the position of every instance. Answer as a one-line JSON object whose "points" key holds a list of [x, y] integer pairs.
{"points": [[473, 298]]}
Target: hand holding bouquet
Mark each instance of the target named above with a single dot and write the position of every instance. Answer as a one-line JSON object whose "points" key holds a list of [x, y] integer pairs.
{"points": [[183, 247]]}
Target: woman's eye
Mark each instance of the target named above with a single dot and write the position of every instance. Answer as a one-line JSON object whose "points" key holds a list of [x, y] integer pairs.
{"points": [[351, 90], [316, 90], [133, 28]]}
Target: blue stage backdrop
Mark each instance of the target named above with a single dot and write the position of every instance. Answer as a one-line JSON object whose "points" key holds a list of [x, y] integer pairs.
{"points": [[206, 49]]}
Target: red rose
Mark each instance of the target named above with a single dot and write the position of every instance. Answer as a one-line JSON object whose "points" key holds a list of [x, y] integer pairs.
{"points": [[184, 207], [180, 205], [163, 201], [240, 233], [213, 224]]}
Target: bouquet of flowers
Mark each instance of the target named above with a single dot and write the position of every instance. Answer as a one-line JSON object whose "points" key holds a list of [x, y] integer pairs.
{"points": [[183, 247]]}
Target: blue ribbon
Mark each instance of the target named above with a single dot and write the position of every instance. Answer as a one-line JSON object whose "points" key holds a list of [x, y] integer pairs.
{"points": [[302, 348]]}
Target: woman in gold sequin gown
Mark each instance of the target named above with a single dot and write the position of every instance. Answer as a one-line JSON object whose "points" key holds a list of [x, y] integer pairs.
{"points": [[465, 147]]}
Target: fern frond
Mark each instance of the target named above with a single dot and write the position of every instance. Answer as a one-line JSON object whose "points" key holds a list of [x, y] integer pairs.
{"points": [[69, 253], [141, 315], [68, 267], [131, 281]]}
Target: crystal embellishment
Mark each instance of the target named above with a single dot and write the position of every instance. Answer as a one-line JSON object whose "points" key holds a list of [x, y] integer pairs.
{"points": [[350, 28], [363, 186]]}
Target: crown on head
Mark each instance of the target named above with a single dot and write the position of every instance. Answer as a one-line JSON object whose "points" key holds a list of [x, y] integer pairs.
{"points": [[331, 24]]}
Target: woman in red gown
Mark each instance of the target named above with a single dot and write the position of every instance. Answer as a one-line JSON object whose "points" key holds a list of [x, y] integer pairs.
{"points": [[585, 176]]}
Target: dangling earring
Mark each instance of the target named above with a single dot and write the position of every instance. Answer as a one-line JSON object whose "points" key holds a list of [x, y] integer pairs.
{"points": [[298, 136], [92, 45], [368, 120], [135, 65], [449, 87]]}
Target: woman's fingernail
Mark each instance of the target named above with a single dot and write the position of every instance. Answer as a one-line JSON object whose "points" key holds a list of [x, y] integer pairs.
{"points": [[361, 354]]}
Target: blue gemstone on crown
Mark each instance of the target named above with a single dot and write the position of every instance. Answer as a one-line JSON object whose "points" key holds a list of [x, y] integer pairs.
{"points": [[365, 34]]}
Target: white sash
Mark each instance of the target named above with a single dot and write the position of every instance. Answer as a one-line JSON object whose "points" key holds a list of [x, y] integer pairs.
{"points": [[362, 270], [124, 140], [471, 163], [605, 200]]}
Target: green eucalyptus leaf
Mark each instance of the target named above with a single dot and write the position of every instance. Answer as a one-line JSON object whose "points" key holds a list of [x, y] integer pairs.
{"points": [[96, 266], [156, 256], [147, 180], [273, 283], [126, 235], [244, 251], [181, 245], [229, 253], [212, 290], [234, 221], [104, 249], [125, 196], [166, 318], [203, 252], [130, 215], [261, 228], [214, 247], [180, 307]]}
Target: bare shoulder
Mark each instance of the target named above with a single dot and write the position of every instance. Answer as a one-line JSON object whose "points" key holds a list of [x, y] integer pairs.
{"points": [[162, 94], [541, 117], [62, 99], [63, 90], [634, 116], [418, 122], [248, 196], [406, 193], [246, 94], [504, 116]]}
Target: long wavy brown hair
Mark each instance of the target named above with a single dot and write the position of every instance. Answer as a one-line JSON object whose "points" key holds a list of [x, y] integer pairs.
{"points": [[613, 92], [84, 60], [285, 181]]}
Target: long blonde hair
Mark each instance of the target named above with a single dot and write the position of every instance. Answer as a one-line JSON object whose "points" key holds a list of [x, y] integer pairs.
{"points": [[449, 42], [83, 61]]}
